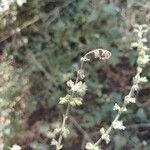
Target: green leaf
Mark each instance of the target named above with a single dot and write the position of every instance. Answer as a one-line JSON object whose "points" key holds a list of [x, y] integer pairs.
{"points": [[94, 16], [115, 57], [132, 57], [141, 114], [115, 97], [38, 146], [120, 141], [111, 9]]}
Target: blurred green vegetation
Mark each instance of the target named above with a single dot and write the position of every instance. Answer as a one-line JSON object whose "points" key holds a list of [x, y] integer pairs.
{"points": [[45, 54]]}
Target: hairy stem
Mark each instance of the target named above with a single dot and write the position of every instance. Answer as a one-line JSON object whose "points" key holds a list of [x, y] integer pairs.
{"points": [[63, 125], [134, 87], [65, 117]]}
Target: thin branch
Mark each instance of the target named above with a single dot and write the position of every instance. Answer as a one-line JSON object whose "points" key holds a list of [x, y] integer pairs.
{"points": [[77, 125]]}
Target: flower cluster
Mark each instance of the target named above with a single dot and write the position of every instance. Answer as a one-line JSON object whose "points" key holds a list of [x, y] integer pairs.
{"points": [[104, 135], [63, 131], [90, 146], [69, 99], [79, 87], [57, 144], [119, 109], [16, 147], [128, 99], [143, 58], [118, 125]]}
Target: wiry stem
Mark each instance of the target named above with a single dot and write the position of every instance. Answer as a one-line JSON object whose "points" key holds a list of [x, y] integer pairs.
{"points": [[65, 117], [136, 81], [97, 53], [63, 125], [111, 126]]}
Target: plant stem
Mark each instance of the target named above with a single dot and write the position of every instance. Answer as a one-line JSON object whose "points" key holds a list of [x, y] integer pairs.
{"points": [[63, 125], [65, 117], [117, 116], [131, 92]]}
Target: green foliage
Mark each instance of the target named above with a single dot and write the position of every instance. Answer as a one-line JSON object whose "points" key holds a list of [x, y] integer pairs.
{"points": [[56, 43]]}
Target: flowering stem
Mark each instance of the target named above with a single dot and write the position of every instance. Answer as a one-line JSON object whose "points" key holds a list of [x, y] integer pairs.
{"points": [[101, 54], [63, 125], [65, 117], [136, 81], [111, 126], [118, 115]]}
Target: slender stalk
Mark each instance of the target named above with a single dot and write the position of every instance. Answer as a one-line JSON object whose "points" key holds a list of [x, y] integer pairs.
{"points": [[119, 112], [134, 87], [65, 117], [63, 125], [111, 126], [101, 54]]}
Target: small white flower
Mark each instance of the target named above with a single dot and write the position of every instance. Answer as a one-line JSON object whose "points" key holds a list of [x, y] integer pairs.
{"points": [[143, 79], [144, 40], [1, 146], [130, 99], [136, 30], [65, 132], [116, 107], [20, 2], [84, 59], [123, 109], [104, 135], [16, 147], [134, 44], [57, 130], [145, 48], [102, 131], [140, 34], [54, 142], [147, 58], [70, 100], [70, 83], [144, 26], [64, 100], [90, 146], [79, 87], [143, 60], [135, 87], [138, 79], [120, 109], [118, 125]]}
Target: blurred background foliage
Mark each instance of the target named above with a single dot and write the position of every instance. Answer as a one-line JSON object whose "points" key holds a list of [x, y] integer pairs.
{"points": [[40, 47]]}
